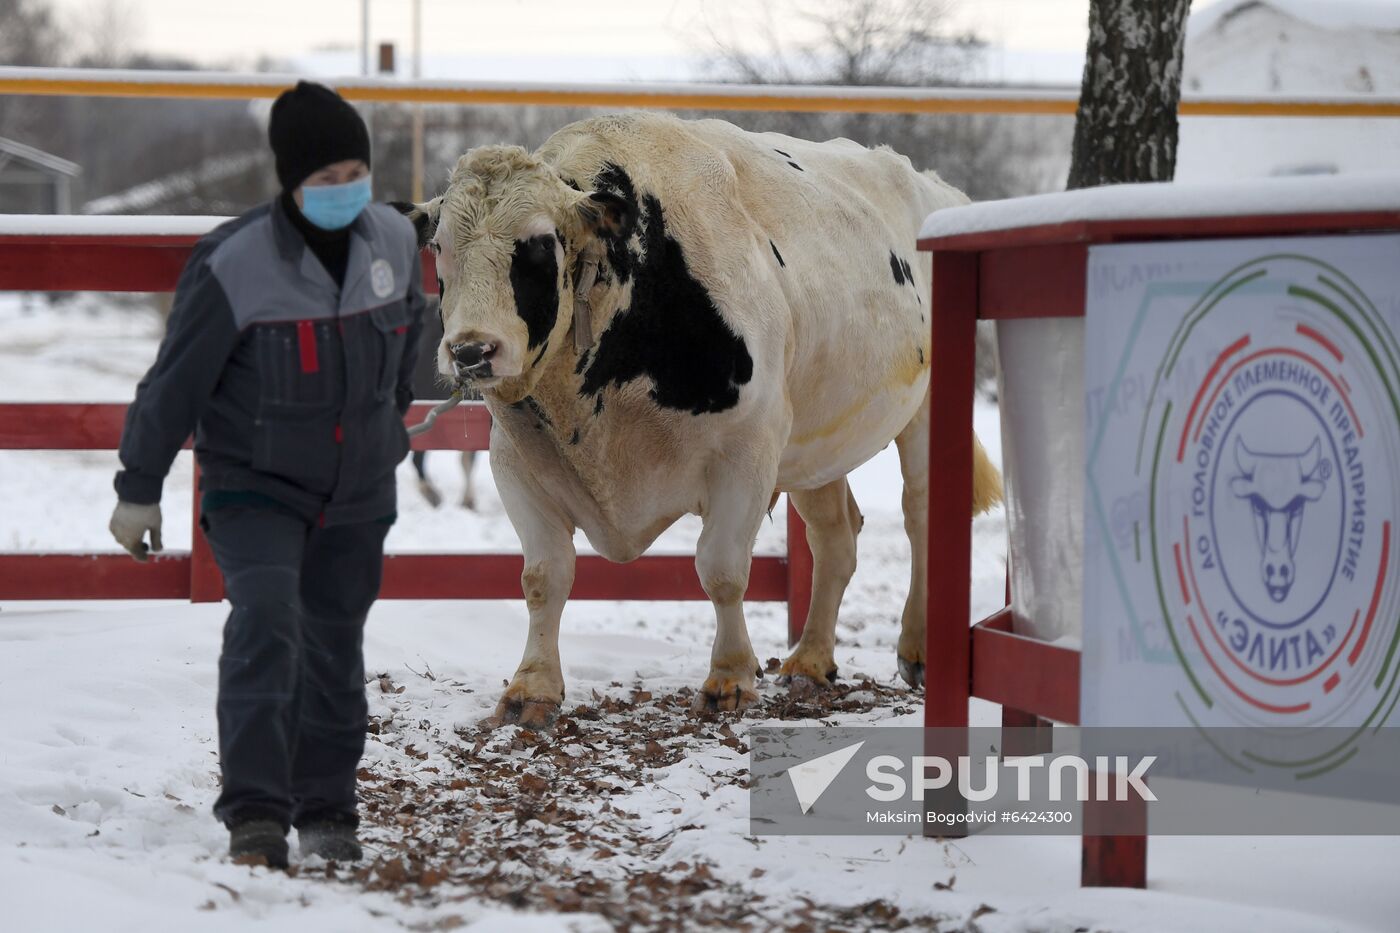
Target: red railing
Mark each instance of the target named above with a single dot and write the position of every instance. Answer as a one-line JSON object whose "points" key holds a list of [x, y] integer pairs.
{"points": [[107, 259]]}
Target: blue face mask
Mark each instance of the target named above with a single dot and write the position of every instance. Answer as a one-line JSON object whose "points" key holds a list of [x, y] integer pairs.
{"points": [[332, 207]]}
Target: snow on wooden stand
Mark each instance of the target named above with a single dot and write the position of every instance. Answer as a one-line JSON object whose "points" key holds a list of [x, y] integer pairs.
{"points": [[1022, 260], [147, 254]]}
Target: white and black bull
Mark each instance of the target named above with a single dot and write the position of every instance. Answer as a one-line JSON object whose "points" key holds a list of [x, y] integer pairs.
{"points": [[1277, 487], [669, 317]]}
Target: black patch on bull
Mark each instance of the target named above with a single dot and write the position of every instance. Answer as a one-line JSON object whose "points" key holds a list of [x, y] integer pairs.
{"points": [[534, 277], [544, 348], [615, 181], [921, 355], [574, 439], [598, 406], [778, 254], [785, 155], [671, 333], [901, 271], [796, 166], [582, 361]]}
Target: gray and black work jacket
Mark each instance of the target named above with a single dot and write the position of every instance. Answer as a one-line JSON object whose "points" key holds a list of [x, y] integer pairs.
{"points": [[295, 389]]}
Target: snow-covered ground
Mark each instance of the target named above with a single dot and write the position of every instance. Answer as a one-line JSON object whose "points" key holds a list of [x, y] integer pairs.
{"points": [[108, 768]]}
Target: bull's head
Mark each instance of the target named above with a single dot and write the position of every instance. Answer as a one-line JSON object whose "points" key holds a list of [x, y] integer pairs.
{"points": [[512, 240], [1277, 487]]}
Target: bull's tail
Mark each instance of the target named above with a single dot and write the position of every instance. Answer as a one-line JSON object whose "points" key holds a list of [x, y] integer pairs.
{"points": [[986, 480]]}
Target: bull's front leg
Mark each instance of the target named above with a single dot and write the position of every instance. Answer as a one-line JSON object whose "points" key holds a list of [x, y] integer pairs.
{"points": [[536, 693], [737, 499]]}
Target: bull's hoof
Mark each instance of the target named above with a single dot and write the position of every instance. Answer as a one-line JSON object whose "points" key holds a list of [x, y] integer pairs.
{"points": [[538, 715], [912, 672], [802, 687], [820, 672], [469, 503], [723, 695], [430, 494]]}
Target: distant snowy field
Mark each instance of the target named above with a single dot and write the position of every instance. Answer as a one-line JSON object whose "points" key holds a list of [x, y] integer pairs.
{"points": [[107, 754]]}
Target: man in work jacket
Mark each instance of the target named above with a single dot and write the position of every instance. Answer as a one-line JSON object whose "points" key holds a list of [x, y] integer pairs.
{"points": [[289, 352]]}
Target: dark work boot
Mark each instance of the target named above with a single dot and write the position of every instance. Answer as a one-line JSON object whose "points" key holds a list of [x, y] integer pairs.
{"points": [[332, 840], [258, 842]]}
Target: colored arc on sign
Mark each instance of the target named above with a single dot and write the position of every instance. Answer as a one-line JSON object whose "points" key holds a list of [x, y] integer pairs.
{"points": [[1272, 681], [1224, 380], [1375, 594], [1181, 575], [1327, 345]]}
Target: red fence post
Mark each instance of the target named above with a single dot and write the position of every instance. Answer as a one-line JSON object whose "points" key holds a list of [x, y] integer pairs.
{"points": [[948, 641], [947, 634], [1113, 852], [799, 567]]}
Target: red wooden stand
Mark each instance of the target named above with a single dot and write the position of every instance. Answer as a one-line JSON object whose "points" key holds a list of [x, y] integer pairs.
{"points": [[1028, 272]]}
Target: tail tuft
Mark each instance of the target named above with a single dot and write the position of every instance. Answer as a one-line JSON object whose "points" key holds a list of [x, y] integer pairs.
{"points": [[986, 480]]}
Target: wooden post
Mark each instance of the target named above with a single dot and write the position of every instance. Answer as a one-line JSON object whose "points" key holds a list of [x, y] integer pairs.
{"points": [[1030, 735], [948, 641], [799, 565], [1114, 848], [947, 636]]}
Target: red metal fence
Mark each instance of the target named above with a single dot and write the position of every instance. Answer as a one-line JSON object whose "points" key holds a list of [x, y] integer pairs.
{"points": [[152, 263]]}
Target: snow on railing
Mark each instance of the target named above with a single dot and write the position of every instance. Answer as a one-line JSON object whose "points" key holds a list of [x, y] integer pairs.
{"points": [[1355, 193], [31, 225]]}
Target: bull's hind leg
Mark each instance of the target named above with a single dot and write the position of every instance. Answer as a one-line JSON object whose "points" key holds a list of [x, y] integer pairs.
{"points": [[736, 501], [986, 493], [913, 463], [833, 521]]}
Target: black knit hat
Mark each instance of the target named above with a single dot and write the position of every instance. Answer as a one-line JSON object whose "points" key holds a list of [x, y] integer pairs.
{"points": [[312, 127]]}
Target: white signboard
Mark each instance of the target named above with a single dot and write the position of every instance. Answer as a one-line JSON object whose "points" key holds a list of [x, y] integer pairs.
{"points": [[1242, 505]]}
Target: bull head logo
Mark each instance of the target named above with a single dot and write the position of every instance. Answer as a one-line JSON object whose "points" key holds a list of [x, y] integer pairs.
{"points": [[1278, 486]]}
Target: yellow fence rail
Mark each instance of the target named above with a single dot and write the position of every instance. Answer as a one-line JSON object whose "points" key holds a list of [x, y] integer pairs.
{"points": [[97, 82]]}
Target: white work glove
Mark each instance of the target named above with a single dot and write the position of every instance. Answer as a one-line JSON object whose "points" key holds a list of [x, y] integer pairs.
{"points": [[130, 523]]}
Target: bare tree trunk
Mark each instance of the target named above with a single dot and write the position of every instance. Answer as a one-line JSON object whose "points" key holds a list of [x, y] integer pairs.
{"points": [[1126, 127]]}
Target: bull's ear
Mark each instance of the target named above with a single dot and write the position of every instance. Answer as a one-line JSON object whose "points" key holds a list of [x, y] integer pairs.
{"points": [[607, 214], [424, 217]]}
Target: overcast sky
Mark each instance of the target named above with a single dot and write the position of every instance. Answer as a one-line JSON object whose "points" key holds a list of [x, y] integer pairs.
{"points": [[552, 40], [644, 30]]}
